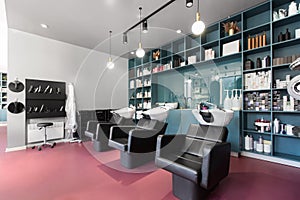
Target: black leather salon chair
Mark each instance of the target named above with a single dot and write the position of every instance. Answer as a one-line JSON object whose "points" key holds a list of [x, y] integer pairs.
{"points": [[99, 131], [44, 126], [137, 144], [198, 161]]}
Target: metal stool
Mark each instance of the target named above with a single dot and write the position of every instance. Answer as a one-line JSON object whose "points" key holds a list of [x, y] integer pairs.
{"points": [[45, 125]]}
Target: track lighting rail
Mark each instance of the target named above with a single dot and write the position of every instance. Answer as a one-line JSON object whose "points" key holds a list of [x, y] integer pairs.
{"points": [[150, 15]]}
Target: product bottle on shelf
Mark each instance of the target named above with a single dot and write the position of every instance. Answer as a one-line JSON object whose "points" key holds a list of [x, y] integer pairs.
{"points": [[227, 101], [235, 101], [276, 125], [247, 143], [251, 142], [287, 35]]}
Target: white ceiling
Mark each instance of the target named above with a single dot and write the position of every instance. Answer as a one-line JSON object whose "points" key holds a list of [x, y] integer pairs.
{"points": [[87, 23]]}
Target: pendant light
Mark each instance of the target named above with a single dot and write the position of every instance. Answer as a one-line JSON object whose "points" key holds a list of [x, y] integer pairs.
{"points": [[145, 26], [140, 52], [110, 64], [198, 26], [125, 39], [189, 3]]}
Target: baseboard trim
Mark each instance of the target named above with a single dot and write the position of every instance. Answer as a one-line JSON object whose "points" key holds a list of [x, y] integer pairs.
{"points": [[51, 141], [271, 159], [15, 149], [234, 154], [32, 145]]}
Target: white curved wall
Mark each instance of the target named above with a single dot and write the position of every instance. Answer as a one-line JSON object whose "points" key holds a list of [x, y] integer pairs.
{"points": [[3, 37], [36, 57]]}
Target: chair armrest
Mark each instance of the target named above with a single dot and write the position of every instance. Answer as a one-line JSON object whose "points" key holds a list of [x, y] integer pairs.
{"points": [[91, 129], [169, 145], [92, 126], [120, 131], [142, 140], [215, 166], [103, 130]]}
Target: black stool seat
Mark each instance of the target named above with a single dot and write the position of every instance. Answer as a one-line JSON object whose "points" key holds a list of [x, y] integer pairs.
{"points": [[44, 124]]}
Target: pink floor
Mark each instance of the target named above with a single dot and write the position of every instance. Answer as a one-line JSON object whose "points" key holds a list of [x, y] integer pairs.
{"points": [[70, 172]]}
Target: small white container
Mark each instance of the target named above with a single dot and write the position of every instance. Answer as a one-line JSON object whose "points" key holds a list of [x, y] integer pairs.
{"points": [[297, 33], [267, 148], [259, 147]]}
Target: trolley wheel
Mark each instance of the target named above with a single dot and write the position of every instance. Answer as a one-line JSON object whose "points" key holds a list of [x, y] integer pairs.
{"points": [[33, 147], [40, 148]]}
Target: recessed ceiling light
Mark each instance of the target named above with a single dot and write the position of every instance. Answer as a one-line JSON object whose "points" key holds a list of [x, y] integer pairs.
{"points": [[132, 52], [44, 26], [179, 31]]}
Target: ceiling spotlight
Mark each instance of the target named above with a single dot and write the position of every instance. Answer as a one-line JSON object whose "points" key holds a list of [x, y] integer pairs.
{"points": [[179, 31], [125, 39], [110, 64], [198, 26], [140, 52], [189, 3], [45, 26], [132, 53], [145, 26]]}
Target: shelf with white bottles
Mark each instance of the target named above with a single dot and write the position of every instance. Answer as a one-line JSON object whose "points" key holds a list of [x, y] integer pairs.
{"points": [[256, 132]]}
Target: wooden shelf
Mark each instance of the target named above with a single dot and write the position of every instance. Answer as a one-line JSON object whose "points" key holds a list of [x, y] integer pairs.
{"points": [[257, 90], [287, 43], [256, 70], [256, 132], [287, 156], [254, 111], [257, 50], [286, 20], [257, 29], [230, 38], [290, 136], [286, 65], [286, 112]]}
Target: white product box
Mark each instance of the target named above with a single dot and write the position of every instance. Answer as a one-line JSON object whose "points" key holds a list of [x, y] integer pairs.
{"points": [[231, 47], [297, 33], [192, 60], [35, 134]]}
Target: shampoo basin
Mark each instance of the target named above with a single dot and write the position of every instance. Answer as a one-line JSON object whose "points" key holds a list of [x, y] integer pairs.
{"points": [[158, 113], [214, 117], [126, 112]]}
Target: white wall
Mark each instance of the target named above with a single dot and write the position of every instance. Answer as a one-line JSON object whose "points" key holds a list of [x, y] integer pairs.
{"points": [[3, 37], [35, 57]]}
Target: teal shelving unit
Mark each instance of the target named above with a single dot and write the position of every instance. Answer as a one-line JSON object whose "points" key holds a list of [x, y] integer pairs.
{"points": [[252, 22], [283, 146]]}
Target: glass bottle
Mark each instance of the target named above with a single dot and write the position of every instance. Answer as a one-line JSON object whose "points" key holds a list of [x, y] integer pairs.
{"points": [[280, 37], [287, 35], [258, 63]]}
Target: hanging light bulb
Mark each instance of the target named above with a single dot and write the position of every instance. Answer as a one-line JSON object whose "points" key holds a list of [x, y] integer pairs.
{"points": [[140, 52], [110, 64], [189, 3], [198, 26]]}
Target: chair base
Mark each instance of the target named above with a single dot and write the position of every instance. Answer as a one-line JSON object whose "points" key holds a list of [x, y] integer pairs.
{"points": [[51, 145], [185, 189], [133, 160], [100, 146]]}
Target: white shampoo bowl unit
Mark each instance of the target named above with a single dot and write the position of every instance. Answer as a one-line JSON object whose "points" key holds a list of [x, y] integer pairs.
{"points": [[127, 112], [219, 117], [158, 113]]}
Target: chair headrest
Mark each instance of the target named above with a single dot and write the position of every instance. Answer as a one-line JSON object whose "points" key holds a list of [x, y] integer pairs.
{"points": [[150, 124], [205, 132]]}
